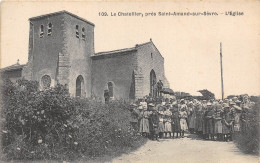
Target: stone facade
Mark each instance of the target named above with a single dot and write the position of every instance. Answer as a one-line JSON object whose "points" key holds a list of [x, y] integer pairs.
{"points": [[117, 68], [61, 47]]}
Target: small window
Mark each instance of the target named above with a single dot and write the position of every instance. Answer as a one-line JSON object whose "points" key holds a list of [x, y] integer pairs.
{"points": [[152, 55], [83, 33], [41, 31], [49, 29], [110, 89], [77, 31], [46, 81]]}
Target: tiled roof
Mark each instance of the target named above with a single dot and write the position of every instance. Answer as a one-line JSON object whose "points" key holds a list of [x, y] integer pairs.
{"points": [[12, 67], [116, 51], [119, 50], [62, 12]]}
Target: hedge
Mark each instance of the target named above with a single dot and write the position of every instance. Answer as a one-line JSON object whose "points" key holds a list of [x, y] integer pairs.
{"points": [[50, 125], [248, 141]]}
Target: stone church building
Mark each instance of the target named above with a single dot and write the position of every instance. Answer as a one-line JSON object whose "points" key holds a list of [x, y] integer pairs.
{"points": [[61, 50]]}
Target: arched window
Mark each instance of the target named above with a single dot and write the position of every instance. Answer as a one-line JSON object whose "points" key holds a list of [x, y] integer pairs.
{"points": [[41, 31], [77, 31], [49, 29], [83, 33], [79, 86], [110, 89], [46, 81], [153, 83]]}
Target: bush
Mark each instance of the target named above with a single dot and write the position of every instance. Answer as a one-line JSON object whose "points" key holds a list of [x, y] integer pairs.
{"points": [[49, 124], [248, 141]]}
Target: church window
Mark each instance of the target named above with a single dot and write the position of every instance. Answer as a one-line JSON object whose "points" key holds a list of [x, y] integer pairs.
{"points": [[77, 31], [110, 89], [41, 31], [83, 33], [79, 86], [152, 55], [46, 81], [49, 29]]}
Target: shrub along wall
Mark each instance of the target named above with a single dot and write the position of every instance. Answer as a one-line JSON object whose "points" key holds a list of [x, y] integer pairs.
{"points": [[248, 141], [50, 124]]}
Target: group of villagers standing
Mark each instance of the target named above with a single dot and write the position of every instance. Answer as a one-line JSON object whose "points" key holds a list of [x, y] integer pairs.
{"points": [[209, 119]]}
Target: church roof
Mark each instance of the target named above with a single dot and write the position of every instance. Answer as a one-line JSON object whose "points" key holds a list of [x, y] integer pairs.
{"points": [[13, 67], [119, 51], [114, 53], [61, 12]]}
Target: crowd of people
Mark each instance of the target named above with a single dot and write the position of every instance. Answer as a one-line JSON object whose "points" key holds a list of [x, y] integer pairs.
{"points": [[209, 119]]}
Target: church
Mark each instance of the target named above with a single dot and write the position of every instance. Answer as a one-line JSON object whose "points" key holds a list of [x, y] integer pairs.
{"points": [[61, 50]]}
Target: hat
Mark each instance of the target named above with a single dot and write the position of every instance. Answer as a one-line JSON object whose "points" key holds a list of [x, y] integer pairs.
{"points": [[151, 109], [218, 107], [225, 105], [232, 103], [226, 100], [237, 101], [209, 104], [174, 103], [151, 104], [133, 105], [168, 104], [140, 107], [161, 108], [237, 107]]}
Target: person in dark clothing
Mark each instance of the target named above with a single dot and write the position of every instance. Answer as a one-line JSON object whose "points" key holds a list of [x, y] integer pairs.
{"points": [[159, 87], [106, 96], [154, 118], [134, 116], [176, 127]]}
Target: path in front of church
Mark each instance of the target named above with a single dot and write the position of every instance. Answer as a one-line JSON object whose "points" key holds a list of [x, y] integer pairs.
{"points": [[187, 150]]}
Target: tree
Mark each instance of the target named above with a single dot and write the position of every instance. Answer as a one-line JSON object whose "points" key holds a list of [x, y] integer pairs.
{"points": [[207, 95]]}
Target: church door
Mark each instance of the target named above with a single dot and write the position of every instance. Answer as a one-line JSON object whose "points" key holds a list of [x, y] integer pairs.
{"points": [[132, 87]]}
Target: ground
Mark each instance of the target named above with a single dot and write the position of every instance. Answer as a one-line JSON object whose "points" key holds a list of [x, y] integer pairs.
{"points": [[187, 150]]}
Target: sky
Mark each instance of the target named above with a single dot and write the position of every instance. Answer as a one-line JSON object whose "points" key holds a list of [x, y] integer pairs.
{"points": [[190, 45]]}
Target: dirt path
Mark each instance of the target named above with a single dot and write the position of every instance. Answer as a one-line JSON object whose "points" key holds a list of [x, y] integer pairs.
{"points": [[187, 150]]}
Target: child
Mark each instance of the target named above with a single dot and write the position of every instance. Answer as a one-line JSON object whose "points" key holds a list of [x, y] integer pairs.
{"points": [[217, 122], [176, 127], [183, 116], [168, 125], [161, 125]]}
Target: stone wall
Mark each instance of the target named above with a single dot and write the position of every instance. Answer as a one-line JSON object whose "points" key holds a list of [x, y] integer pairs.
{"points": [[117, 69], [27, 70], [44, 51], [79, 52], [149, 58], [13, 75], [61, 55], [63, 69]]}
